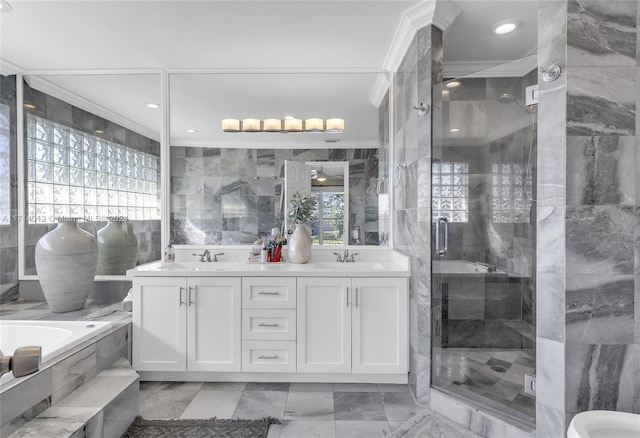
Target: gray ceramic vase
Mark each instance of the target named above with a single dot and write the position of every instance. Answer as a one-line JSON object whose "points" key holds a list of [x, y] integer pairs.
{"points": [[299, 245], [117, 247], [66, 261]]}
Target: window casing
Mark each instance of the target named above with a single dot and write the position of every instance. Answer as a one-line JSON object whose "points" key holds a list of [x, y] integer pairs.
{"points": [[71, 173]]}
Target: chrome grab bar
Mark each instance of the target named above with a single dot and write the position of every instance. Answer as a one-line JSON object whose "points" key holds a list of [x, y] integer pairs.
{"points": [[441, 249]]}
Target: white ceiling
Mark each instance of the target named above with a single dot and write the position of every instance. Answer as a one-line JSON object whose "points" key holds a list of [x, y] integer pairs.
{"points": [[297, 36]]}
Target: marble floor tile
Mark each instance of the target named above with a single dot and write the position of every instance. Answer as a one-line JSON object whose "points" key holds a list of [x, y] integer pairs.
{"points": [[311, 387], [206, 404], [355, 387], [180, 386], [399, 406], [309, 406], [359, 406], [307, 429], [274, 431], [257, 404], [223, 386], [362, 429], [267, 386], [167, 403], [395, 425]]}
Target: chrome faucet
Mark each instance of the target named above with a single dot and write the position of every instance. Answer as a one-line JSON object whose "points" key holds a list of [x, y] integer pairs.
{"points": [[339, 257], [345, 257], [352, 259], [25, 361], [490, 268], [205, 256]]}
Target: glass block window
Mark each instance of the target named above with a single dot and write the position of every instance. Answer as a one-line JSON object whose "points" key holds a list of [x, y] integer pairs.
{"points": [[511, 193], [450, 191], [72, 173], [5, 170]]}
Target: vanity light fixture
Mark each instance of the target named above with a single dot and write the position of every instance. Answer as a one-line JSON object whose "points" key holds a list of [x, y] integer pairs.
{"points": [[289, 124], [152, 105]]}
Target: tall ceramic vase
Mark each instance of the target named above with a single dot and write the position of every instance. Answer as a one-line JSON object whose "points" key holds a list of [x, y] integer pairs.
{"points": [[117, 247], [299, 245], [66, 261]]}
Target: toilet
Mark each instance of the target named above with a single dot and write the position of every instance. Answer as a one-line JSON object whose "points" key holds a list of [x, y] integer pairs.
{"points": [[604, 424]]}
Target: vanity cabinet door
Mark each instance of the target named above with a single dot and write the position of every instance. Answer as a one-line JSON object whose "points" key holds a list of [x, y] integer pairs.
{"points": [[214, 324], [380, 325], [324, 325], [159, 323]]}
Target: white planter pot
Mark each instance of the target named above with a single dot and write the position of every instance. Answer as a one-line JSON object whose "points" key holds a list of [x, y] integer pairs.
{"points": [[66, 260], [299, 245], [117, 247]]}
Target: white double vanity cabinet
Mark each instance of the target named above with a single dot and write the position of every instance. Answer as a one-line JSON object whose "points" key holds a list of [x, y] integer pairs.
{"points": [[232, 321]]}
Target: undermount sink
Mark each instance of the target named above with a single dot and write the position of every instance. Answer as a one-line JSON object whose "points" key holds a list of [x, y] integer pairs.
{"points": [[604, 424], [354, 266], [198, 266]]}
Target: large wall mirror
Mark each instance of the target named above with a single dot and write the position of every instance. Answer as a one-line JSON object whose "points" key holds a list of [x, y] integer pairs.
{"points": [[226, 188], [92, 151]]}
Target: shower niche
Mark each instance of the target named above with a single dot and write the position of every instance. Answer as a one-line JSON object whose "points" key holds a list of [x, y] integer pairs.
{"points": [[483, 223]]}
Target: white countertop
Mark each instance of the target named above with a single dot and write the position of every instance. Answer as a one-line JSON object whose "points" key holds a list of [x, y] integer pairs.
{"points": [[372, 264]]}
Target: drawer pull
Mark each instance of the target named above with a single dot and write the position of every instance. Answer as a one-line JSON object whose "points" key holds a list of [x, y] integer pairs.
{"points": [[268, 293], [262, 324], [275, 356]]}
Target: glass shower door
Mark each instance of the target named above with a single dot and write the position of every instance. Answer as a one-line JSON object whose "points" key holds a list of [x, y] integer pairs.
{"points": [[483, 228]]}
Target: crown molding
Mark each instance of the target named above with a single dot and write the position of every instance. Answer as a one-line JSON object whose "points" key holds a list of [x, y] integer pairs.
{"points": [[491, 69], [413, 19], [58, 92], [8, 68]]}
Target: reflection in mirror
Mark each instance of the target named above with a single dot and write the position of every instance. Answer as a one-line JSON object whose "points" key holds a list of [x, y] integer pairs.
{"points": [[331, 188], [226, 187], [92, 161]]}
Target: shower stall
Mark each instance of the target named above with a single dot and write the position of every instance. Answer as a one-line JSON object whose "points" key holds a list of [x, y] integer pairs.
{"points": [[483, 228]]}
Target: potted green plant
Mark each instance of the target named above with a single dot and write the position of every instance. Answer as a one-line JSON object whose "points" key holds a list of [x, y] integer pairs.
{"points": [[302, 210]]}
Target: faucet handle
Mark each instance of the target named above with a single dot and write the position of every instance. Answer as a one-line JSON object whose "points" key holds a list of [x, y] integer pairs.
{"points": [[215, 256], [353, 256], [200, 255], [339, 257]]}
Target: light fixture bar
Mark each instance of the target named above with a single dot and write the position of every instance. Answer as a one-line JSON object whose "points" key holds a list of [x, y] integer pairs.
{"points": [[335, 125]]}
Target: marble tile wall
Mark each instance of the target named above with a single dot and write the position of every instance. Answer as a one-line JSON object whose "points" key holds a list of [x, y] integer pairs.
{"points": [[223, 196], [588, 216], [9, 225], [421, 67]]}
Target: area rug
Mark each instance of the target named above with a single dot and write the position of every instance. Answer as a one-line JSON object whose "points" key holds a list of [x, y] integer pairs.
{"points": [[209, 428]]}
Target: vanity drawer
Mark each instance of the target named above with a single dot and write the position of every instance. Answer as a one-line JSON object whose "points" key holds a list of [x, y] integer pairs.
{"points": [[269, 356], [269, 324], [269, 293]]}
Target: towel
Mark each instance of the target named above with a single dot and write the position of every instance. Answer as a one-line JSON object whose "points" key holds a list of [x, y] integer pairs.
{"points": [[127, 303]]}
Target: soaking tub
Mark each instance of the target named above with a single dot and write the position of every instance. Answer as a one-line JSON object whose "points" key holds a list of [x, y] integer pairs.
{"points": [[55, 337]]}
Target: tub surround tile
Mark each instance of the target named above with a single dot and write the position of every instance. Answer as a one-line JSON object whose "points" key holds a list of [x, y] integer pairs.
{"points": [[31, 392], [72, 373], [550, 306], [600, 239], [601, 33], [600, 309], [598, 101], [551, 376], [601, 170]]}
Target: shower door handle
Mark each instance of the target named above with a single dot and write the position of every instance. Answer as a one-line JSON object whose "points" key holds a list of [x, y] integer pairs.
{"points": [[442, 245]]}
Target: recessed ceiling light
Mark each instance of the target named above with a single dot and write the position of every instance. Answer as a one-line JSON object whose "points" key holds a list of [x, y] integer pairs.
{"points": [[454, 130], [5, 7], [29, 106], [454, 84], [191, 131], [152, 105], [507, 26]]}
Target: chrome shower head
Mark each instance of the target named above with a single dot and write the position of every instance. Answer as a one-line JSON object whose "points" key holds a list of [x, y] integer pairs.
{"points": [[508, 98]]}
